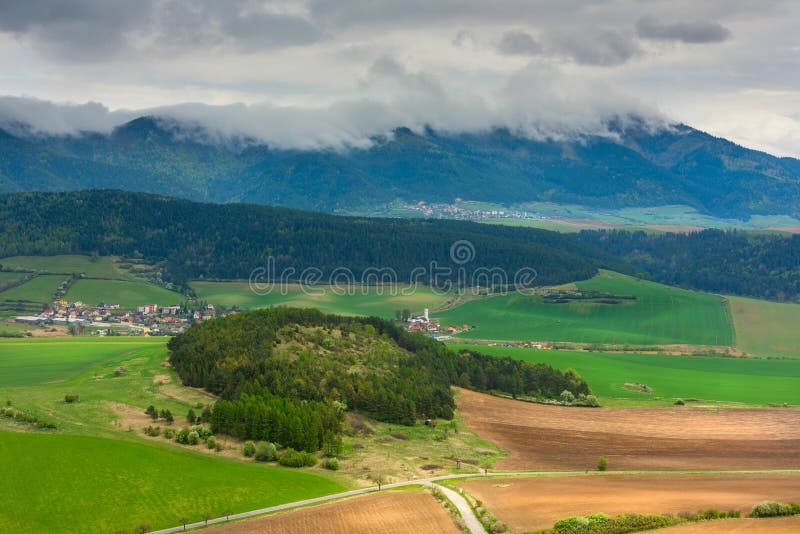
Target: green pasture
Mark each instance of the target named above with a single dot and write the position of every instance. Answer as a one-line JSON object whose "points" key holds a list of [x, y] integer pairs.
{"points": [[381, 301], [128, 294], [38, 289], [101, 267], [5, 276], [732, 380], [764, 328], [64, 483], [659, 315]]}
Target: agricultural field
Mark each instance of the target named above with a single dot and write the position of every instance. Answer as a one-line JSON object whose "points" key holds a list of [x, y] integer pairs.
{"points": [[659, 314], [128, 294], [39, 289], [526, 504], [740, 526], [6, 276], [668, 377], [104, 485], [538, 436], [394, 512], [381, 301], [101, 267], [768, 329]]}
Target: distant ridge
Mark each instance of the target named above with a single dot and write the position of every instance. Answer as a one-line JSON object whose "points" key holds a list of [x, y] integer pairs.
{"points": [[635, 167]]}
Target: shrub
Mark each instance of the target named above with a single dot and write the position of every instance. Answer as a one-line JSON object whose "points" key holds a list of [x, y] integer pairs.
{"points": [[211, 443], [602, 463], [152, 430], [69, 399], [203, 432], [679, 402], [169, 433], [265, 451], [249, 449], [193, 438], [191, 417], [182, 436], [331, 463], [293, 458], [331, 444], [774, 509], [567, 397], [151, 411]]}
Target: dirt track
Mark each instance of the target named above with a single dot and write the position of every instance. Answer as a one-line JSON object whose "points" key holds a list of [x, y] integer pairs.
{"points": [[554, 437], [392, 513], [536, 503]]}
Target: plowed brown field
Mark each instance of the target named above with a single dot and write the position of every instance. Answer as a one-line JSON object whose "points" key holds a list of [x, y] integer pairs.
{"points": [[537, 436], [390, 513], [536, 503]]}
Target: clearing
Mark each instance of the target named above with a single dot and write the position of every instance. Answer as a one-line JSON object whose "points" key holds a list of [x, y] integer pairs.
{"points": [[537, 436], [658, 314], [395, 512], [535, 503]]}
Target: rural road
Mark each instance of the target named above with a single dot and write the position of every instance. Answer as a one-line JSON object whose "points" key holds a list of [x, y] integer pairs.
{"points": [[474, 526]]}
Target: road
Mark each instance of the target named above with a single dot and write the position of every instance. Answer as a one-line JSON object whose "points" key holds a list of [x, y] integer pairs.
{"points": [[474, 526]]}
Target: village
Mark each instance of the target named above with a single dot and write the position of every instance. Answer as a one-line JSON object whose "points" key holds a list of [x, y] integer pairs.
{"points": [[109, 319]]}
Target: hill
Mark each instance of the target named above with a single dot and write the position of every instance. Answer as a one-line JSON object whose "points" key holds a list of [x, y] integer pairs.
{"points": [[199, 240], [635, 166], [286, 375]]}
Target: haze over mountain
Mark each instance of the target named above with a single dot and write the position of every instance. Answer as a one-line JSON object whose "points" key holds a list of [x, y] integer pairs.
{"points": [[631, 161]]}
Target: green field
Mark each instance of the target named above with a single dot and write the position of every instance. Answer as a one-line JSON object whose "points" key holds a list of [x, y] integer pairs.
{"points": [[5, 276], [738, 380], [39, 289], [127, 294], [67, 483], [365, 300], [101, 267], [659, 315], [766, 328]]}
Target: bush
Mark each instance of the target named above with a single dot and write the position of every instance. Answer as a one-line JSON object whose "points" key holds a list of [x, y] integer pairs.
{"points": [[211, 443], [331, 464], [602, 463], [265, 451], [567, 397], [774, 509], [193, 438], [679, 402], [331, 444], [182, 436], [152, 431], [293, 458], [169, 433], [249, 449], [191, 417], [203, 432], [69, 399]]}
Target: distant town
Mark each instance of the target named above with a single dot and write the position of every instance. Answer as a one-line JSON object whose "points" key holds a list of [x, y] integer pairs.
{"points": [[460, 212]]}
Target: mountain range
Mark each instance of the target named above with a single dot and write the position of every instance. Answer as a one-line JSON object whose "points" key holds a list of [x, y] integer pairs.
{"points": [[633, 166]]}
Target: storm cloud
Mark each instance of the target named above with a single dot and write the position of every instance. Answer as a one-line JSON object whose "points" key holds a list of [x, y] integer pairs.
{"points": [[687, 32]]}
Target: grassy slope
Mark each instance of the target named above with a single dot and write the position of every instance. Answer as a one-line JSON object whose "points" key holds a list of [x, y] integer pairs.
{"points": [[106, 484], [752, 381], [103, 267], [661, 314], [39, 289], [765, 328], [364, 301], [101, 485], [126, 294], [10, 276]]}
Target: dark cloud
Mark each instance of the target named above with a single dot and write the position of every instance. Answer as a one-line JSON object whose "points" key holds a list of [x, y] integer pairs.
{"points": [[595, 47], [687, 32], [518, 43]]}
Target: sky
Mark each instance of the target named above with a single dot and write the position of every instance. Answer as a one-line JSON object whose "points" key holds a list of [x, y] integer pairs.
{"points": [[333, 73]]}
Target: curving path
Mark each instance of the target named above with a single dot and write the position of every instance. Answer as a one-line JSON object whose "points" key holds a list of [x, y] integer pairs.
{"points": [[474, 526]]}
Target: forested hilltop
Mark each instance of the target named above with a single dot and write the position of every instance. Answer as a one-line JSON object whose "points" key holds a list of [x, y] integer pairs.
{"points": [[227, 241], [287, 375], [736, 262]]}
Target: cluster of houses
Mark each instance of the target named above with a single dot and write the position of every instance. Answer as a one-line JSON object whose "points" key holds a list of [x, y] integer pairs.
{"points": [[424, 324], [150, 319]]}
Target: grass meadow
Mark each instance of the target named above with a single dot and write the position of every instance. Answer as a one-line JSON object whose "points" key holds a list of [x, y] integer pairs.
{"points": [[726, 380], [659, 315], [38, 289], [365, 300], [768, 329], [128, 294], [66, 483]]}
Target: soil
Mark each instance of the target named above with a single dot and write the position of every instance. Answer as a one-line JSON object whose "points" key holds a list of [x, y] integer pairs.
{"points": [[536, 503], [682, 438], [773, 525], [386, 513]]}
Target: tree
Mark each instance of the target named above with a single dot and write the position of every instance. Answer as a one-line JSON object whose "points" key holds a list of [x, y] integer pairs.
{"points": [[191, 417], [602, 463], [485, 465], [206, 517], [249, 449], [183, 520], [227, 513], [379, 478], [151, 411]]}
